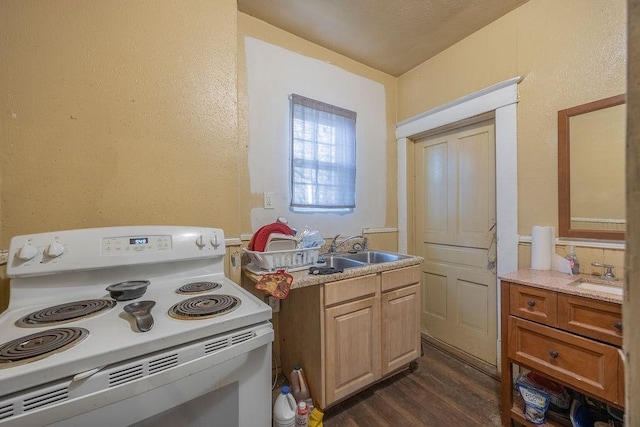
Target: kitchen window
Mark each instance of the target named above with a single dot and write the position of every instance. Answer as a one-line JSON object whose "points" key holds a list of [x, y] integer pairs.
{"points": [[323, 156]]}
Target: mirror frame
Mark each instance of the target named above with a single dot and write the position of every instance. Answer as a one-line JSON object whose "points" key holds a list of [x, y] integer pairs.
{"points": [[564, 171]]}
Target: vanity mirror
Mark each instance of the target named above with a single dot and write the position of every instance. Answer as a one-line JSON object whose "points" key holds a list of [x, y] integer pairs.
{"points": [[591, 170]]}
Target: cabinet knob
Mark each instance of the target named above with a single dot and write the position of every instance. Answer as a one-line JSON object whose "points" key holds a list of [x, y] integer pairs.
{"points": [[553, 354], [531, 303], [618, 325]]}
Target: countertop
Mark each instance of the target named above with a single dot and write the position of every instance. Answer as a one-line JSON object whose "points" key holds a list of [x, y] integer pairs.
{"points": [[302, 278], [561, 282]]}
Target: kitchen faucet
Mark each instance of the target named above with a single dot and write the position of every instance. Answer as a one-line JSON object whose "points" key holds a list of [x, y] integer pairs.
{"points": [[335, 244]]}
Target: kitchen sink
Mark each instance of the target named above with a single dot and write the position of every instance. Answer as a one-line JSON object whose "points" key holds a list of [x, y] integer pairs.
{"points": [[360, 259], [375, 257], [341, 263]]}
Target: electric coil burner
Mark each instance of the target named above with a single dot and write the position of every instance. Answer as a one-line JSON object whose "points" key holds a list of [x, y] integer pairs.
{"points": [[41, 344], [197, 287], [98, 368], [203, 307], [65, 313]]}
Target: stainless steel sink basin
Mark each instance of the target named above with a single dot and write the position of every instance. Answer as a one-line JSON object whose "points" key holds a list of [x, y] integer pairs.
{"points": [[375, 257], [360, 259], [341, 263]]}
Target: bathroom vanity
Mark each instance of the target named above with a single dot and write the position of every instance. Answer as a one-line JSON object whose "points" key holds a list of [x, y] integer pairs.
{"points": [[557, 325]]}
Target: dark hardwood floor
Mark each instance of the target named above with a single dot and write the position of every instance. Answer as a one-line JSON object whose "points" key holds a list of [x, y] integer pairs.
{"points": [[442, 391]]}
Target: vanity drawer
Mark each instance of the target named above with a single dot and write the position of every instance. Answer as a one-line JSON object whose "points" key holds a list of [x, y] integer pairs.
{"points": [[534, 304], [581, 362], [600, 320]]}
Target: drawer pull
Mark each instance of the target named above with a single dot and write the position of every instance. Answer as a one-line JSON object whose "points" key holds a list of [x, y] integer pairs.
{"points": [[553, 354], [618, 325], [531, 303]]}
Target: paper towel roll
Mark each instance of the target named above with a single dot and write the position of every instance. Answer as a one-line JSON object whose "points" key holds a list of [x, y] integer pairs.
{"points": [[542, 247]]}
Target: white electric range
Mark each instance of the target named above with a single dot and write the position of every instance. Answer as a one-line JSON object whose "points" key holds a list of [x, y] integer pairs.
{"points": [[70, 354]]}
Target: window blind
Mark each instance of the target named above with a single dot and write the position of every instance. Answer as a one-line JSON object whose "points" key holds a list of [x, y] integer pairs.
{"points": [[323, 155]]}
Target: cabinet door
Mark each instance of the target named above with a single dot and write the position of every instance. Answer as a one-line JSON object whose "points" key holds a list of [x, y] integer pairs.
{"points": [[352, 346], [400, 327]]}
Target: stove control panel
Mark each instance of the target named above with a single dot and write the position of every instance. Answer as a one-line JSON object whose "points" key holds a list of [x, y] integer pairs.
{"points": [[97, 248], [135, 245]]}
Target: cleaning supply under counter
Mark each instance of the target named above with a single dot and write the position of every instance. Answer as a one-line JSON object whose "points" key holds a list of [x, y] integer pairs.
{"points": [[302, 415], [299, 384], [315, 418], [284, 410]]}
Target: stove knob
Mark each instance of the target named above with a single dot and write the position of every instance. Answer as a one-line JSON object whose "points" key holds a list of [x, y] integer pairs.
{"points": [[55, 249], [215, 241], [27, 252], [200, 241]]}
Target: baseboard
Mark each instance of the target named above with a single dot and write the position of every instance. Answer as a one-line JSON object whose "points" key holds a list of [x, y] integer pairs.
{"points": [[470, 360]]}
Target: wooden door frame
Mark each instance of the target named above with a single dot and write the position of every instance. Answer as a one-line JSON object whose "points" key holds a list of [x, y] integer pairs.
{"points": [[501, 99]]}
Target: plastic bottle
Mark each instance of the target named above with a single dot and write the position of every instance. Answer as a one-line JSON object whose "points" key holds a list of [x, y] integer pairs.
{"points": [[573, 260], [284, 410], [302, 415], [315, 418], [299, 385]]}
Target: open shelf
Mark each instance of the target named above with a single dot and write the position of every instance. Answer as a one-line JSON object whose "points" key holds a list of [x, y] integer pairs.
{"points": [[517, 414]]}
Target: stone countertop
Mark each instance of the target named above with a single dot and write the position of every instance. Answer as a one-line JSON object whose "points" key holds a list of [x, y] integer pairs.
{"points": [[302, 278], [562, 282]]}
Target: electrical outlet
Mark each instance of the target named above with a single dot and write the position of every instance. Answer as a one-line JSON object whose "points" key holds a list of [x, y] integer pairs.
{"points": [[274, 303], [268, 200]]}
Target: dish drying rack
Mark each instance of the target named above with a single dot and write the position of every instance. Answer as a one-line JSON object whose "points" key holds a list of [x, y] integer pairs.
{"points": [[290, 260]]}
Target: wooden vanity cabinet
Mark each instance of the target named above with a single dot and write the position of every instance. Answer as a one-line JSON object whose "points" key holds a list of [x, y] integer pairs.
{"points": [[569, 339], [349, 334]]}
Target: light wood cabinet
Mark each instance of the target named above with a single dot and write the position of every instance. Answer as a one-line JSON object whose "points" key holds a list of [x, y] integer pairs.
{"points": [[352, 336], [564, 337], [349, 334], [400, 327]]}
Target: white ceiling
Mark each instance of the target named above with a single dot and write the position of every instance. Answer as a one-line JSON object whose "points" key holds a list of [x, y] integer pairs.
{"points": [[392, 36]]}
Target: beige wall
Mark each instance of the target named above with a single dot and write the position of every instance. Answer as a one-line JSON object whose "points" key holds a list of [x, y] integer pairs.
{"points": [[4, 106], [631, 305], [118, 113], [569, 53], [125, 112], [251, 27]]}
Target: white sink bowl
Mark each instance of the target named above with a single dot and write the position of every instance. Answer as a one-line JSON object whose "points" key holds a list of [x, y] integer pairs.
{"points": [[611, 289]]}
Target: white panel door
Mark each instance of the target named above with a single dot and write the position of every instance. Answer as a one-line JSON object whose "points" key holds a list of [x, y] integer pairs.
{"points": [[455, 233]]}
